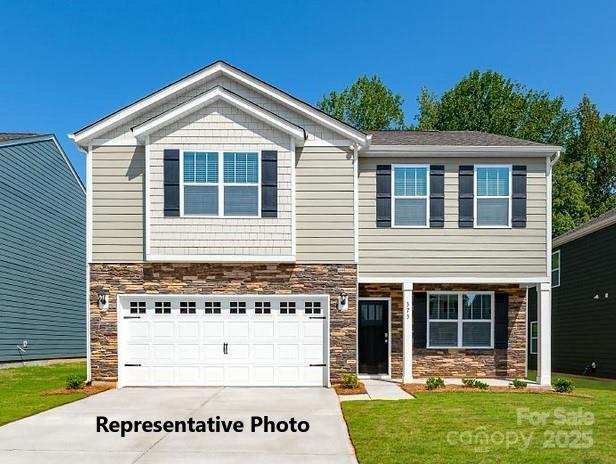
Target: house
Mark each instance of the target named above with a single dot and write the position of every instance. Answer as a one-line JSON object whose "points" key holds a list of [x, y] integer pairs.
{"points": [[42, 251], [239, 236], [583, 300]]}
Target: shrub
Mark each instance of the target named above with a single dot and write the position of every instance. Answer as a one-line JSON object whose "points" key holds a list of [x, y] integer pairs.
{"points": [[74, 382], [433, 383], [481, 385], [517, 383], [563, 385], [350, 381], [468, 382]]}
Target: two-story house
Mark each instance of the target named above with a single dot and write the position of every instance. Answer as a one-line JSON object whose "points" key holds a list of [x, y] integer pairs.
{"points": [[239, 236]]}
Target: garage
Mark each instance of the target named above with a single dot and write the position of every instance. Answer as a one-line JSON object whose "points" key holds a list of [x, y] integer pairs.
{"points": [[223, 340]]}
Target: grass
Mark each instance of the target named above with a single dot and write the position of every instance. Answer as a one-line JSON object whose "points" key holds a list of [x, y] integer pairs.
{"points": [[21, 389], [428, 429]]}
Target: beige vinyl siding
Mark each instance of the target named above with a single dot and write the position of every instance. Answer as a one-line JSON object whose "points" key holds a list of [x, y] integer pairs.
{"points": [[324, 205], [451, 251], [117, 203]]}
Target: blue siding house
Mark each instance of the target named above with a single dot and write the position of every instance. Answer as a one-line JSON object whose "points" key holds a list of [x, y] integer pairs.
{"points": [[42, 251]]}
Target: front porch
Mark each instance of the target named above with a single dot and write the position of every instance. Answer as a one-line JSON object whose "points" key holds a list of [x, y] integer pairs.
{"points": [[410, 331]]}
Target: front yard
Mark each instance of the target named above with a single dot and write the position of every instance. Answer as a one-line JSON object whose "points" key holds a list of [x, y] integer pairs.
{"points": [[22, 388], [485, 427]]}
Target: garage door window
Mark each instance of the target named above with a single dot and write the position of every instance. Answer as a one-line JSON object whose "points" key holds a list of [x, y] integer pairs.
{"points": [[188, 307], [137, 307], [287, 307], [263, 307], [237, 307], [162, 307], [312, 307], [212, 307]]}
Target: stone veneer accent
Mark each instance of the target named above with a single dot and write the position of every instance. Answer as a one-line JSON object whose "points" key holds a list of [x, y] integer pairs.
{"points": [[510, 362], [197, 278]]}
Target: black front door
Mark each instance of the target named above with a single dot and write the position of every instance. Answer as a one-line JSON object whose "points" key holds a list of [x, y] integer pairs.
{"points": [[373, 337]]}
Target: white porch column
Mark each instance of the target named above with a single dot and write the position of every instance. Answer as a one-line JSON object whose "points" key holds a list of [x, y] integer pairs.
{"points": [[407, 331], [544, 344]]}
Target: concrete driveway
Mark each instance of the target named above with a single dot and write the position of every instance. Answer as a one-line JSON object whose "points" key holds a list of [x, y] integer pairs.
{"points": [[68, 433]]}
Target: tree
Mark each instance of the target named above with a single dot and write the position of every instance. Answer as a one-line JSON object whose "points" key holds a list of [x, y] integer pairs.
{"points": [[489, 102], [367, 105]]}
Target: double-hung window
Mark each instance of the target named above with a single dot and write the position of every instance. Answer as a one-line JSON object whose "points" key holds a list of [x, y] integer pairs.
{"points": [[200, 183], [493, 196], [461, 320], [410, 195], [241, 184], [556, 268]]}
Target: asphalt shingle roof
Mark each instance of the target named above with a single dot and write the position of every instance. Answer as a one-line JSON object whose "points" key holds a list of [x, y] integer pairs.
{"points": [[454, 138], [4, 136]]}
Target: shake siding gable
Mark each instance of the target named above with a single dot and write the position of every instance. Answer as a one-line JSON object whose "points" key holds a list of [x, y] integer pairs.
{"points": [[451, 250]]}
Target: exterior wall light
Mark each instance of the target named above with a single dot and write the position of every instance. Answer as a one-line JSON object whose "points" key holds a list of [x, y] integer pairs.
{"points": [[103, 300], [343, 301]]}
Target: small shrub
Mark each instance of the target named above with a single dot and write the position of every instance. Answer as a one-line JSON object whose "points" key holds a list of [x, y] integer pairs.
{"points": [[481, 385], [350, 381], [517, 383], [433, 383], [74, 382], [468, 382], [563, 385]]}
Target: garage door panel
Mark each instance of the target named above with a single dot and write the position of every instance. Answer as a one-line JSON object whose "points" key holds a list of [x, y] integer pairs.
{"points": [[139, 329], [238, 329], [238, 351], [212, 352], [264, 329], [312, 353], [213, 329], [263, 375], [163, 353], [162, 375], [313, 328], [238, 375], [263, 352], [187, 329], [214, 375], [187, 353], [288, 353], [163, 329], [138, 351], [188, 375], [288, 329]]}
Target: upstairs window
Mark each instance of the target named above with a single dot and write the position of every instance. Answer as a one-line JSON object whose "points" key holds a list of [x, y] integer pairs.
{"points": [[556, 269], [200, 183], [493, 196], [410, 196], [241, 184]]}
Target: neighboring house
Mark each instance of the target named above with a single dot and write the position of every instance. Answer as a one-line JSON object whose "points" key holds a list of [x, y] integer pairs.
{"points": [[42, 251], [239, 236], [583, 300]]}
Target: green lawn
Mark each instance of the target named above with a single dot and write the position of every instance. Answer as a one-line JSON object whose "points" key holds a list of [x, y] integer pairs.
{"points": [[430, 428], [21, 388]]}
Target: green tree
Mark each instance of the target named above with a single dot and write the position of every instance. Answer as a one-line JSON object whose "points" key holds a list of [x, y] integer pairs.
{"points": [[367, 105], [489, 102]]}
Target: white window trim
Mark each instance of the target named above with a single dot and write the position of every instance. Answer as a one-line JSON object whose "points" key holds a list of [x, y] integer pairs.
{"points": [[460, 320], [557, 252], [475, 196], [394, 197], [533, 323], [220, 185]]}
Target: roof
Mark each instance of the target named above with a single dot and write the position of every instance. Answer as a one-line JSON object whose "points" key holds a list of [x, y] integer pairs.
{"points": [[4, 136], [452, 138], [598, 223]]}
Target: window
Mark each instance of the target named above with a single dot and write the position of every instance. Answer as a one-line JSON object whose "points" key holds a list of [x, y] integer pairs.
{"points": [[287, 307], [410, 196], [492, 196], [137, 307], [263, 307], [188, 307], [162, 307], [460, 320], [556, 269], [237, 307], [312, 307], [241, 184], [212, 307], [534, 336], [200, 183]]}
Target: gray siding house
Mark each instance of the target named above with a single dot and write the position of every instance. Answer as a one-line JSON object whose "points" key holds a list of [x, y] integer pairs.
{"points": [[42, 251]]}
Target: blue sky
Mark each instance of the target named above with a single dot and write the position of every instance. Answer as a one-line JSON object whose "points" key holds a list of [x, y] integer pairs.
{"points": [[65, 64]]}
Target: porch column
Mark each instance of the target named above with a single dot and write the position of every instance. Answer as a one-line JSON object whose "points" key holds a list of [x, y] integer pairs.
{"points": [[407, 331], [544, 344]]}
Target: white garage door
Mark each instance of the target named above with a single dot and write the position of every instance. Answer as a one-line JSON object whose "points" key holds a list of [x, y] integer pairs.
{"points": [[243, 340]]}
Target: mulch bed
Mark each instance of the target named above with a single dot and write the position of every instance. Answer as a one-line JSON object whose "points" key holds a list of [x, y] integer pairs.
{"points": [[341, 390], [88, 390], [414, 388]]}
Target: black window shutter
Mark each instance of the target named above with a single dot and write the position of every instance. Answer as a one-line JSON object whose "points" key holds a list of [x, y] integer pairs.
{"points": [[420, 319], [269, 183], [518, 196], [383, 195], [501, 320], [466, 188], [171, 179], [437, 196]]}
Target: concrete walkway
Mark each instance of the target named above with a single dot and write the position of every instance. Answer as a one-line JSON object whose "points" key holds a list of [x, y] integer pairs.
{"points": [[69, 434], [379, 390]]}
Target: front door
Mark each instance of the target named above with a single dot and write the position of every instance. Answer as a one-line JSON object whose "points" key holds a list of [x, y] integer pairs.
{"points": [[373, 337]]}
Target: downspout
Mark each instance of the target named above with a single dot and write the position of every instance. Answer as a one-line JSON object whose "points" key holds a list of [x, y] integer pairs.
{"points": [[355, 148]]}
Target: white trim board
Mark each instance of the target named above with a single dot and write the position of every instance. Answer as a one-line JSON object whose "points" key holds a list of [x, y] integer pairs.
{"points": [[448, 151], [220, 258], [452, 280]]}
